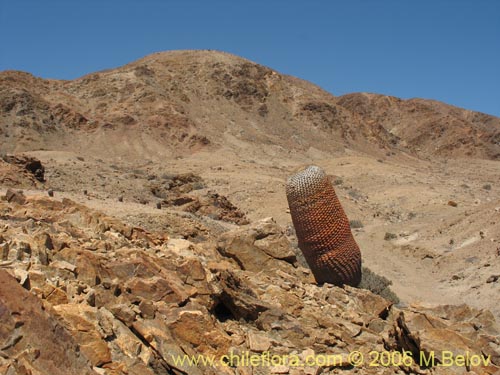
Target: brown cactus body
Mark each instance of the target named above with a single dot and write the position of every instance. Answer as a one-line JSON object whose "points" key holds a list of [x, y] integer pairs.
{"points": [[322, 228]]}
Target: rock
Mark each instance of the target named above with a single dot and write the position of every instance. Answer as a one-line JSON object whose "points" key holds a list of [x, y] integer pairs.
{"points": [[158, 289], [21, 171], [23, 250], [57, 297], [82, 321], [90, 270], [15, 196], [22, 276], [238, 297], [452, 203], [262, 246], [371, 304], [493, 278], [123, 313], [257, 342], [90, 297], [147, 309], [62, 264], [4, 250], [280, 369], [30, 164], [47, 346], [50, 192], [433, 331], [196, 327], [165, 349]]}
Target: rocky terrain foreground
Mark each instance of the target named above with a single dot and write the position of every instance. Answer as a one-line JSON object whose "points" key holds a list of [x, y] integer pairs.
{"points": [[144, 227], [85, 293]]}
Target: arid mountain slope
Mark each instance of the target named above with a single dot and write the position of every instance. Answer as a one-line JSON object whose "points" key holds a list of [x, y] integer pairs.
{"points": [[429, 127], [174, 103]]}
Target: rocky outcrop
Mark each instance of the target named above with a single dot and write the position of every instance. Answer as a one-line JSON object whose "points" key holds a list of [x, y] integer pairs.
{"points": [[84, 293], [182, 192], [32, 339], [21, 171]]}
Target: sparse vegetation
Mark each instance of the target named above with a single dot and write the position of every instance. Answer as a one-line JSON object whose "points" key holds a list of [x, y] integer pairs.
{"points": [[377, 284], [390, 236], [198, 185], [355, 224], [338, 181], [355, 194]]}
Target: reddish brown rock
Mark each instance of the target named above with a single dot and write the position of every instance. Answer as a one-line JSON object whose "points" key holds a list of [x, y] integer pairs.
{"points": [[27, 327], [15, 196], [82, 322]]}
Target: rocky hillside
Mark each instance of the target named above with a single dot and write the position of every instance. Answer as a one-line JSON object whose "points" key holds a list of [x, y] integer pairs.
{"points": [[84, 293], [174, 103], [429, 127]]}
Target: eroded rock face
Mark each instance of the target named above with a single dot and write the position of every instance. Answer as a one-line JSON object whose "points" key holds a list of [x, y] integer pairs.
{"points": [[261, 246], [182, 192], [84, 293], [21, 170], [33, 341], [458, 329]]}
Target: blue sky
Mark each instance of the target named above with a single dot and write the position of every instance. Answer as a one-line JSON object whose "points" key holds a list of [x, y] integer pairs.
{"points": [[447, 50]]}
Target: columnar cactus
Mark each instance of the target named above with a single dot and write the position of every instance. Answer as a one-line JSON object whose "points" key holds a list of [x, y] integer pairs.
{"points": [[322, 228]]}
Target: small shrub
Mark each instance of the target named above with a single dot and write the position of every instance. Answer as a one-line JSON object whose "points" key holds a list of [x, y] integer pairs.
{"points": [[167, 176], [198, 185], [355, 224], [389, 236], [355, 194], [487, 187], [338, 181], [377, 284], [143, 201]]}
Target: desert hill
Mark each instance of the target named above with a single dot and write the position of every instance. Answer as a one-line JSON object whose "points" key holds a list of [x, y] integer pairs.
{"points": [[144, 224], [190, 100]]}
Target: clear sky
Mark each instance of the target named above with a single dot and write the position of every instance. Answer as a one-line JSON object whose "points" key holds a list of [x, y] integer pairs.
{"points": [[447, 50]]}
